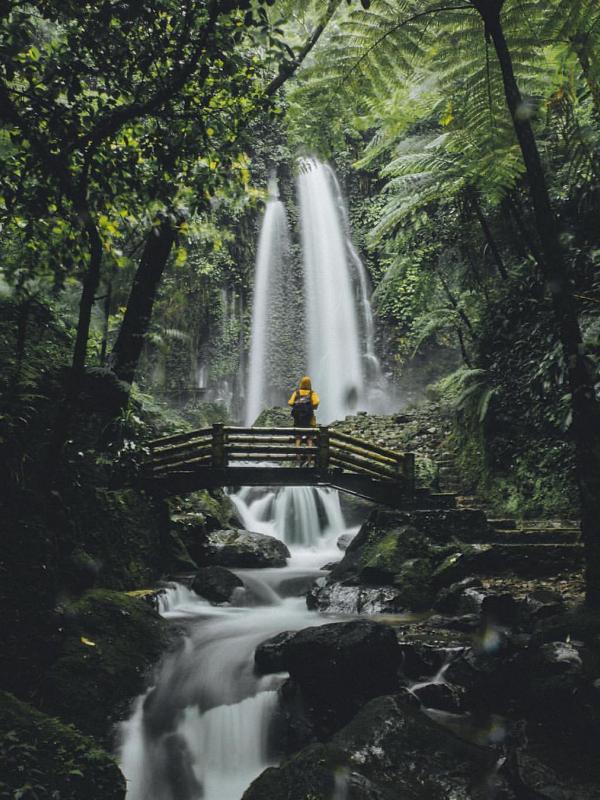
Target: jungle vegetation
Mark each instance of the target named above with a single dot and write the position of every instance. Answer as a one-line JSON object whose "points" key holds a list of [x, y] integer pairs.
{"points": [[135, 143]]}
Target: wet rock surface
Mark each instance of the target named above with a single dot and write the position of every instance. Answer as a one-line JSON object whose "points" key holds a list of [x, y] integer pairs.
{"points": [[242, 549], [268, 656], [338, 667], [215, 584], [389, 750]]}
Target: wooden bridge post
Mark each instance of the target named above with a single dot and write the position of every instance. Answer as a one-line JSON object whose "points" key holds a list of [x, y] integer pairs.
{"points": [[408, 469], [323, 460], [219, 458]]}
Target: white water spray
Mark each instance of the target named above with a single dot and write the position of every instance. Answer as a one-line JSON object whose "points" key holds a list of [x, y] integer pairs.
{"points": [[334, 341], [269, 294]]}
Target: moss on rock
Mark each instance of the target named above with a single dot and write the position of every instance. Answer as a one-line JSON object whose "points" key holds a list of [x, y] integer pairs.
{"points": [[44, 758], [111, 639]]}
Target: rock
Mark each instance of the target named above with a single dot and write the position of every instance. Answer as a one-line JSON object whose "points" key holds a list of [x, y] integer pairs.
{"points": [[559, 658], [298, 585], [344, 540], [460, 564], [53, 758], [389, 750], [339, 667], [465, 623], [177, 555], [110, 642], [329, 566], [243, 549], [439, 695], [268, 656], [419, 660], [543, 603], [338, 599], [449, 598], [215, 584], [500, 609]]}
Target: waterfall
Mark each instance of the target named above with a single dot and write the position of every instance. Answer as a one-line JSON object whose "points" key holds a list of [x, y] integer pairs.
{"points": [[268, 308], [334, 340]]}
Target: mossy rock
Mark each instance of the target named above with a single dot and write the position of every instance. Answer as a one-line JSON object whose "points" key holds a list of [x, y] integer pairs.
{"points": [[214, 509], [274, 418], [110, 642], [44, 758], [119, 539], [462, 562]]}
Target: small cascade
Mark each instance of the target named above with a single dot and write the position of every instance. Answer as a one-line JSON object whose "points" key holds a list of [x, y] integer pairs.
{"points": [[301, 516], [203, 731], [269, 303]]}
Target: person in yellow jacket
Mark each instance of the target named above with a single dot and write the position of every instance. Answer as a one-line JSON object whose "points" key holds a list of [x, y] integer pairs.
{"points": [[303, 403]]}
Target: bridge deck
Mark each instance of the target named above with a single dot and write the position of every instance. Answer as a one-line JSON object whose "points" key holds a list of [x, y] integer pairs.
{"points": [[228, 456]]}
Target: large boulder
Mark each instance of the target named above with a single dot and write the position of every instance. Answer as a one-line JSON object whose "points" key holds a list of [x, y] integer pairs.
{"points": [[268, 656], [216, 584], [339, 667], [242, 549], [110, 642], [54, 759], [335, 598], [389, 750]]}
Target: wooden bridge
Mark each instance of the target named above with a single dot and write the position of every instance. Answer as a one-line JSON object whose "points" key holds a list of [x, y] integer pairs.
{"points": [[229, 456]]}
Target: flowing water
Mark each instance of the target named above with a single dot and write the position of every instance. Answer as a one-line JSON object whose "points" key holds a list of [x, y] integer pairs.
{"points": [[272, 259], [334, 341], [203, 729]]}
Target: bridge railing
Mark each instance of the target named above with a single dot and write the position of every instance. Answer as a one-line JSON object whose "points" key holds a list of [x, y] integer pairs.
{"points": [[221, 446]]}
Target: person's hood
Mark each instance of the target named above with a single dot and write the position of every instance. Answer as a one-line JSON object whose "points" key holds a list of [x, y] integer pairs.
{"points": [[305, 383]]}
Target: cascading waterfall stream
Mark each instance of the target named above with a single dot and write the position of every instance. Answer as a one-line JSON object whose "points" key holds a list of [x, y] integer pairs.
{"points": [[203, 730], [334, 341], [269, 293]]}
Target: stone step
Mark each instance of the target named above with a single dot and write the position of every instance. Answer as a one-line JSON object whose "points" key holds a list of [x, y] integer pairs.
{"points": [[425, 498], [502, 524], [539, 536], [526, 560]]}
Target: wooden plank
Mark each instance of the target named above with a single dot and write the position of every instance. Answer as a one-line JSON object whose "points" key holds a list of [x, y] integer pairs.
{"points": [[269, 448], [358, 468], [241, 439], [199, 442], [364, 452], [265, 431], [180, 437], [172, 465], [219, 456], [383, 451], [245, 456], [324, 448], [372, 466], [179, 453]]}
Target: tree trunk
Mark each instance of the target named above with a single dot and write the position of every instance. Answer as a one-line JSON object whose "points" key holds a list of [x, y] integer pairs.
{"points": [[586, 68], [130, 341], [584, 406], [488, 237], [91, 281]]}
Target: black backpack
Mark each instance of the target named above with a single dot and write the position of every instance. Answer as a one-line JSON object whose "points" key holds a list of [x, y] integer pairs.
{"points": [[302, 410]]}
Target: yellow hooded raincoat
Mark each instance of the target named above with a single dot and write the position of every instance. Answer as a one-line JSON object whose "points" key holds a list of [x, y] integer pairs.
{"points": [[306, 389]]}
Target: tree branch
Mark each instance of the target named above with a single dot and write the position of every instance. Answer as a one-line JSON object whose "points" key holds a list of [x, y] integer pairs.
{"points": [[287, 69]]}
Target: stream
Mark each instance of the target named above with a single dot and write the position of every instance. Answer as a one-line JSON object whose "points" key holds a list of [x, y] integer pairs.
{"points": [[202, 729]]}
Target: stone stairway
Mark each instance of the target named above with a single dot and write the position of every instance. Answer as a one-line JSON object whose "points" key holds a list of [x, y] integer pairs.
{"points": [[531, 548]]}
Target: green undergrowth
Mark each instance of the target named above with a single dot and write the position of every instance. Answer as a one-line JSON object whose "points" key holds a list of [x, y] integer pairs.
{"points": [[109, 642], [43, 759]]}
